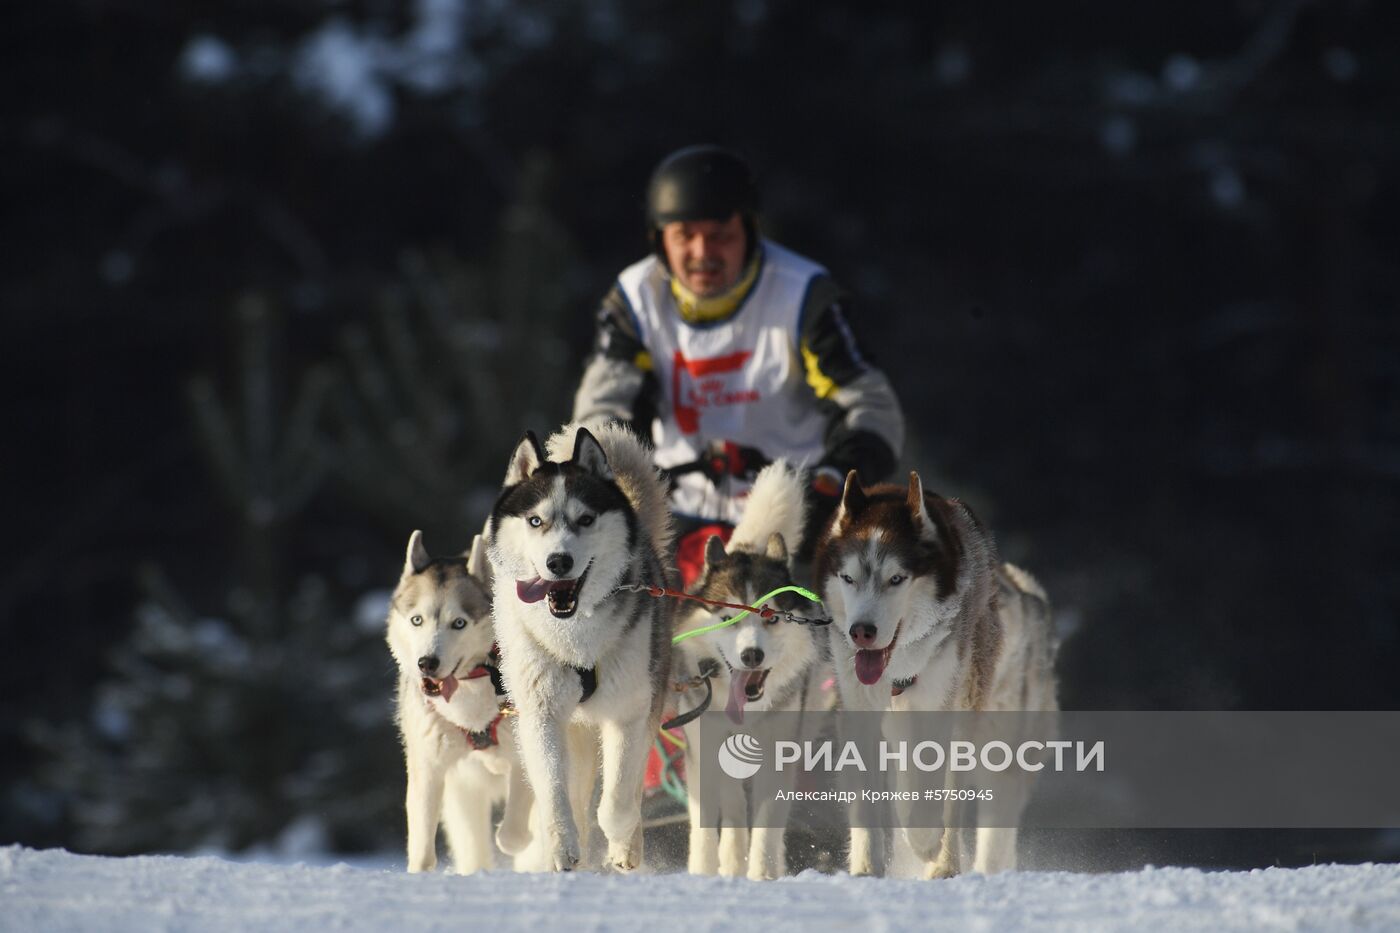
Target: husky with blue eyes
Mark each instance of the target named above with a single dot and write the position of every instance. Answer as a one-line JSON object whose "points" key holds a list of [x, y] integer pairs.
{"points": [[758, 665], [585, 662], [926, 617], [458, 748]]}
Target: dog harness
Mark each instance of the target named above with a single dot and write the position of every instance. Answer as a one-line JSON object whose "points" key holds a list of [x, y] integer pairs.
{"points": [[588, 681], [899, 686], [482, 739], [486, 738]]}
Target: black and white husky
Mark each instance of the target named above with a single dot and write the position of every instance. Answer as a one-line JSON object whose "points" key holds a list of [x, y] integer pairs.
{"points": [[458, 747], [758, 664], [586, 664], [927, 618]]}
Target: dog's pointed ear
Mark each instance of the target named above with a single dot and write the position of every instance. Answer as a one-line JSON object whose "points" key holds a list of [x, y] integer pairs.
{"points": [[918, 509], [589, 455], [525, 460], [852, 501], [417, 558], [777, 547], [714, 551], [477, 564], [476, 598]]}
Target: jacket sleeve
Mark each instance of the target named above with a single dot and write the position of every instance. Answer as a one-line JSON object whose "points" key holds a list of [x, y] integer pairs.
{"points": [[865, 428], [618, 383]]}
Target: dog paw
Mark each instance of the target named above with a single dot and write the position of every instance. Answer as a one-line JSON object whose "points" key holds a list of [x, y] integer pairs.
{"points": [[513, 840], [624, 858], [941, 868], [417, 865], [765, 872], [565, 856], [732, 868], [866, 867]]}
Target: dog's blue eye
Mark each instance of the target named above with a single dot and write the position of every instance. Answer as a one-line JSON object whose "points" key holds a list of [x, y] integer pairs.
{"points": [[846, 578], [416, 620], [897, 579], [536, 521], [459, 623], [585, 520]]}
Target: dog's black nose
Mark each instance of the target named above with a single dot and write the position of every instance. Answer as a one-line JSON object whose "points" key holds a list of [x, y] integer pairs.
{"points": [[559, 564], [428, 663], [752, 657], [863, 634]]}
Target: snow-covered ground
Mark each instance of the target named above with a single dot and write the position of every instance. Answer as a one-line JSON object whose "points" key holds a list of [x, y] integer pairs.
{"points": [[55, 891]]}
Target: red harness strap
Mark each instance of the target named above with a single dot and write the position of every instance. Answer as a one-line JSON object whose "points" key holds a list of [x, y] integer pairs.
{"points": [[765, 612], [486, 738]]}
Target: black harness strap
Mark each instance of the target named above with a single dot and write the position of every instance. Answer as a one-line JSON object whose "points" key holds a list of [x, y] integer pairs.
{"points": [[694, 714], [588, 680], [496, 683]]}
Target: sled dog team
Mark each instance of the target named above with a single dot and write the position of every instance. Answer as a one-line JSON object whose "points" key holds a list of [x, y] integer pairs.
{"points": [[538, 665]]}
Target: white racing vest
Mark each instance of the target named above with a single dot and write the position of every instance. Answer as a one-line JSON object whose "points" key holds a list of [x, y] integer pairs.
{"points": [[741, 379]]}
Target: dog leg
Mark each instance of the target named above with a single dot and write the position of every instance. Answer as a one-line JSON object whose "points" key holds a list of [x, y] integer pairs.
{"points": [[583, 781], [924, 841], [513, 835], [703, 858], [466, 811], [947, 863], [733, 851], [423, 807], [625, 746], [996, 850], [535, 856], [867, 851], [767, 856], [544, 752]]}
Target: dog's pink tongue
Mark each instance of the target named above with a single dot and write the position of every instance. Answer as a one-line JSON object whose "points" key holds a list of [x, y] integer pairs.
{"points": [[531, 591], [734, 709], [869, 666], [738, 696], [448, 686]]}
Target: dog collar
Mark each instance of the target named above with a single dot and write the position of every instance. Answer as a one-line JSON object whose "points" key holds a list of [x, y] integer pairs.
{"points": [[492, 669], [899, 686], [486, 738]]}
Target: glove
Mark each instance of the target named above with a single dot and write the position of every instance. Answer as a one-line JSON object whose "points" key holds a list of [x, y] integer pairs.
{"points": [[726, 458]]}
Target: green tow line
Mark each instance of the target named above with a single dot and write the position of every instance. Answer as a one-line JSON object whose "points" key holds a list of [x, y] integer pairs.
{"points": [[670, 781], [791, 588]]}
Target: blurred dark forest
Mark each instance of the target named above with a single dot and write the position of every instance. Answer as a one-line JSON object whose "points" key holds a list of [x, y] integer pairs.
{"points": [[283, 281]]}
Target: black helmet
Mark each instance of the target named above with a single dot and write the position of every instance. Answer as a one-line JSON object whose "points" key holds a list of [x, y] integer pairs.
{"points": [[702, 183]]}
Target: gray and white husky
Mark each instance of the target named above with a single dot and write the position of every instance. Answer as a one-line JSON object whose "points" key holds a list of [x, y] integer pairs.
{"points": [[758, 664], [927, 618], [458, 746], [586, 664]]}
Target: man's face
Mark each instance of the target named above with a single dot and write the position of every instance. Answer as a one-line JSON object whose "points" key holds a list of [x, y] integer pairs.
{"points": [[706, 255]]}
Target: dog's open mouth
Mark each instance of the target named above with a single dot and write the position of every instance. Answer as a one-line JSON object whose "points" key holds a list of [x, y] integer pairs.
{"points": [[871, 662], [440, 687], [446, 686], [745, 686], [561, 595]]}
